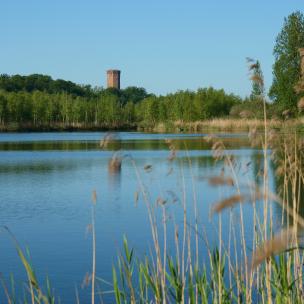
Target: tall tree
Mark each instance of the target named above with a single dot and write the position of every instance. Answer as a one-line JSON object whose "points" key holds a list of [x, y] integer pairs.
{"points": [[286, 70]]}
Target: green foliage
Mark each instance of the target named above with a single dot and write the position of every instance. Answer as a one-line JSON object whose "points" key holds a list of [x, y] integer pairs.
{"points": [[249, 108], [35, 291], [134, 94], [215, 103], [186, 106], [44, 83], [38, 102], [176, 283], [286, 70]]}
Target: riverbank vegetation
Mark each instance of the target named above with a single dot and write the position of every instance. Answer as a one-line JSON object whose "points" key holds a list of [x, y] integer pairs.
{"points": [[265, 268], [37, 102], [132, 108], [109, 108]]}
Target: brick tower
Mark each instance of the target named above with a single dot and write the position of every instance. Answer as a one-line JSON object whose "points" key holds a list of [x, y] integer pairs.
{"points": [[113, 79]]}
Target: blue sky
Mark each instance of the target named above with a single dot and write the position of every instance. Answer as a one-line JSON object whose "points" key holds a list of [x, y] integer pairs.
{"points": [[161, 45]]}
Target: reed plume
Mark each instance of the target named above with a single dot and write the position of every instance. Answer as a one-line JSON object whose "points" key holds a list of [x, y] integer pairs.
{"points": [[228, 202], [279, 243]]}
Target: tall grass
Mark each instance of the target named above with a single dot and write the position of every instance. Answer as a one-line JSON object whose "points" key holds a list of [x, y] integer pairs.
{"points": [[228, 124], [236, 124], [271, 273]]}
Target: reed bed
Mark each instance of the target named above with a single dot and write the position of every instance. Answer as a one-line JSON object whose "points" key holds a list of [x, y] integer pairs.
{"points": [[270, 272], [236, 124]]}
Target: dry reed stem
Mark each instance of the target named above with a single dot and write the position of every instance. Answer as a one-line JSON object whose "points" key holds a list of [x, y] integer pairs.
{"points": [[221, 153], [164, 252], [153, 224], [194, 193], [77, 296], [94, 200], [184, 226]]}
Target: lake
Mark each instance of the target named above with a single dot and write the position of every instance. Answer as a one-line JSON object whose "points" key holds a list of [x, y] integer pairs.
{"points": [[46, 185]]}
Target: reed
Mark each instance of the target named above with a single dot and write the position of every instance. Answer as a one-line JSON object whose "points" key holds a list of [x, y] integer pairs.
{"points": [[273, 273], [237, 124]]}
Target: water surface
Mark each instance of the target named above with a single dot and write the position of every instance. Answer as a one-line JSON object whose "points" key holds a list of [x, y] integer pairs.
{"points": [[46, 184]]}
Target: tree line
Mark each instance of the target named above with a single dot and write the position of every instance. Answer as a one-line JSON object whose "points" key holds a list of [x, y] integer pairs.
{"points": [[110, 108], [39, 102]]}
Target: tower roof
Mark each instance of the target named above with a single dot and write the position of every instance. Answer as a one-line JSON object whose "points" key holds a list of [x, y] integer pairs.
{"points": [[113, 71]]}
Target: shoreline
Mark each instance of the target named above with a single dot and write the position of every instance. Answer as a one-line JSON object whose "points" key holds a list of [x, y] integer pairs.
{"points": [[226, 124]]}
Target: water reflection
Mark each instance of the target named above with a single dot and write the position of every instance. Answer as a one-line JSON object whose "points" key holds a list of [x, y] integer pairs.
{"points": [[114, 173], [131, 142], [46, 186]]}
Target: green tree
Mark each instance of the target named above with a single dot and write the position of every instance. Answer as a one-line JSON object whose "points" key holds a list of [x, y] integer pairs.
{"points": [[133, 94], [286, 70], [3, 109], [129, 112]]}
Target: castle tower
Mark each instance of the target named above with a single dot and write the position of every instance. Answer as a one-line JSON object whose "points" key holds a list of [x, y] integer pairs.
{"points": [[113, 79]]}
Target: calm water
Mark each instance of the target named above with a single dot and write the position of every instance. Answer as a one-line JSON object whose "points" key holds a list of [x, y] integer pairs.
{"points": [[46, 184]]}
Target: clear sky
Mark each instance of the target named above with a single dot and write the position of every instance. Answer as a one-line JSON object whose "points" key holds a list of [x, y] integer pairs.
{"points": [[161, 45]]}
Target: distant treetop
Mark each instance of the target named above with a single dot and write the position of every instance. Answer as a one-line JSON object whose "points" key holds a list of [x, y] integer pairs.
{"points": [[45, 83], [38, 82]]}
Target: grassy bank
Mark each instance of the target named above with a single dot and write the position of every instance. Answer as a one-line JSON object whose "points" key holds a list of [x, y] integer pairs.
{"points": [[219, 124], [222, 124], [61, 127]]}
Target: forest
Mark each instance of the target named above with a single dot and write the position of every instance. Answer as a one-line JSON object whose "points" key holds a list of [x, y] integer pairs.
{"points": [[38, 102]]}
